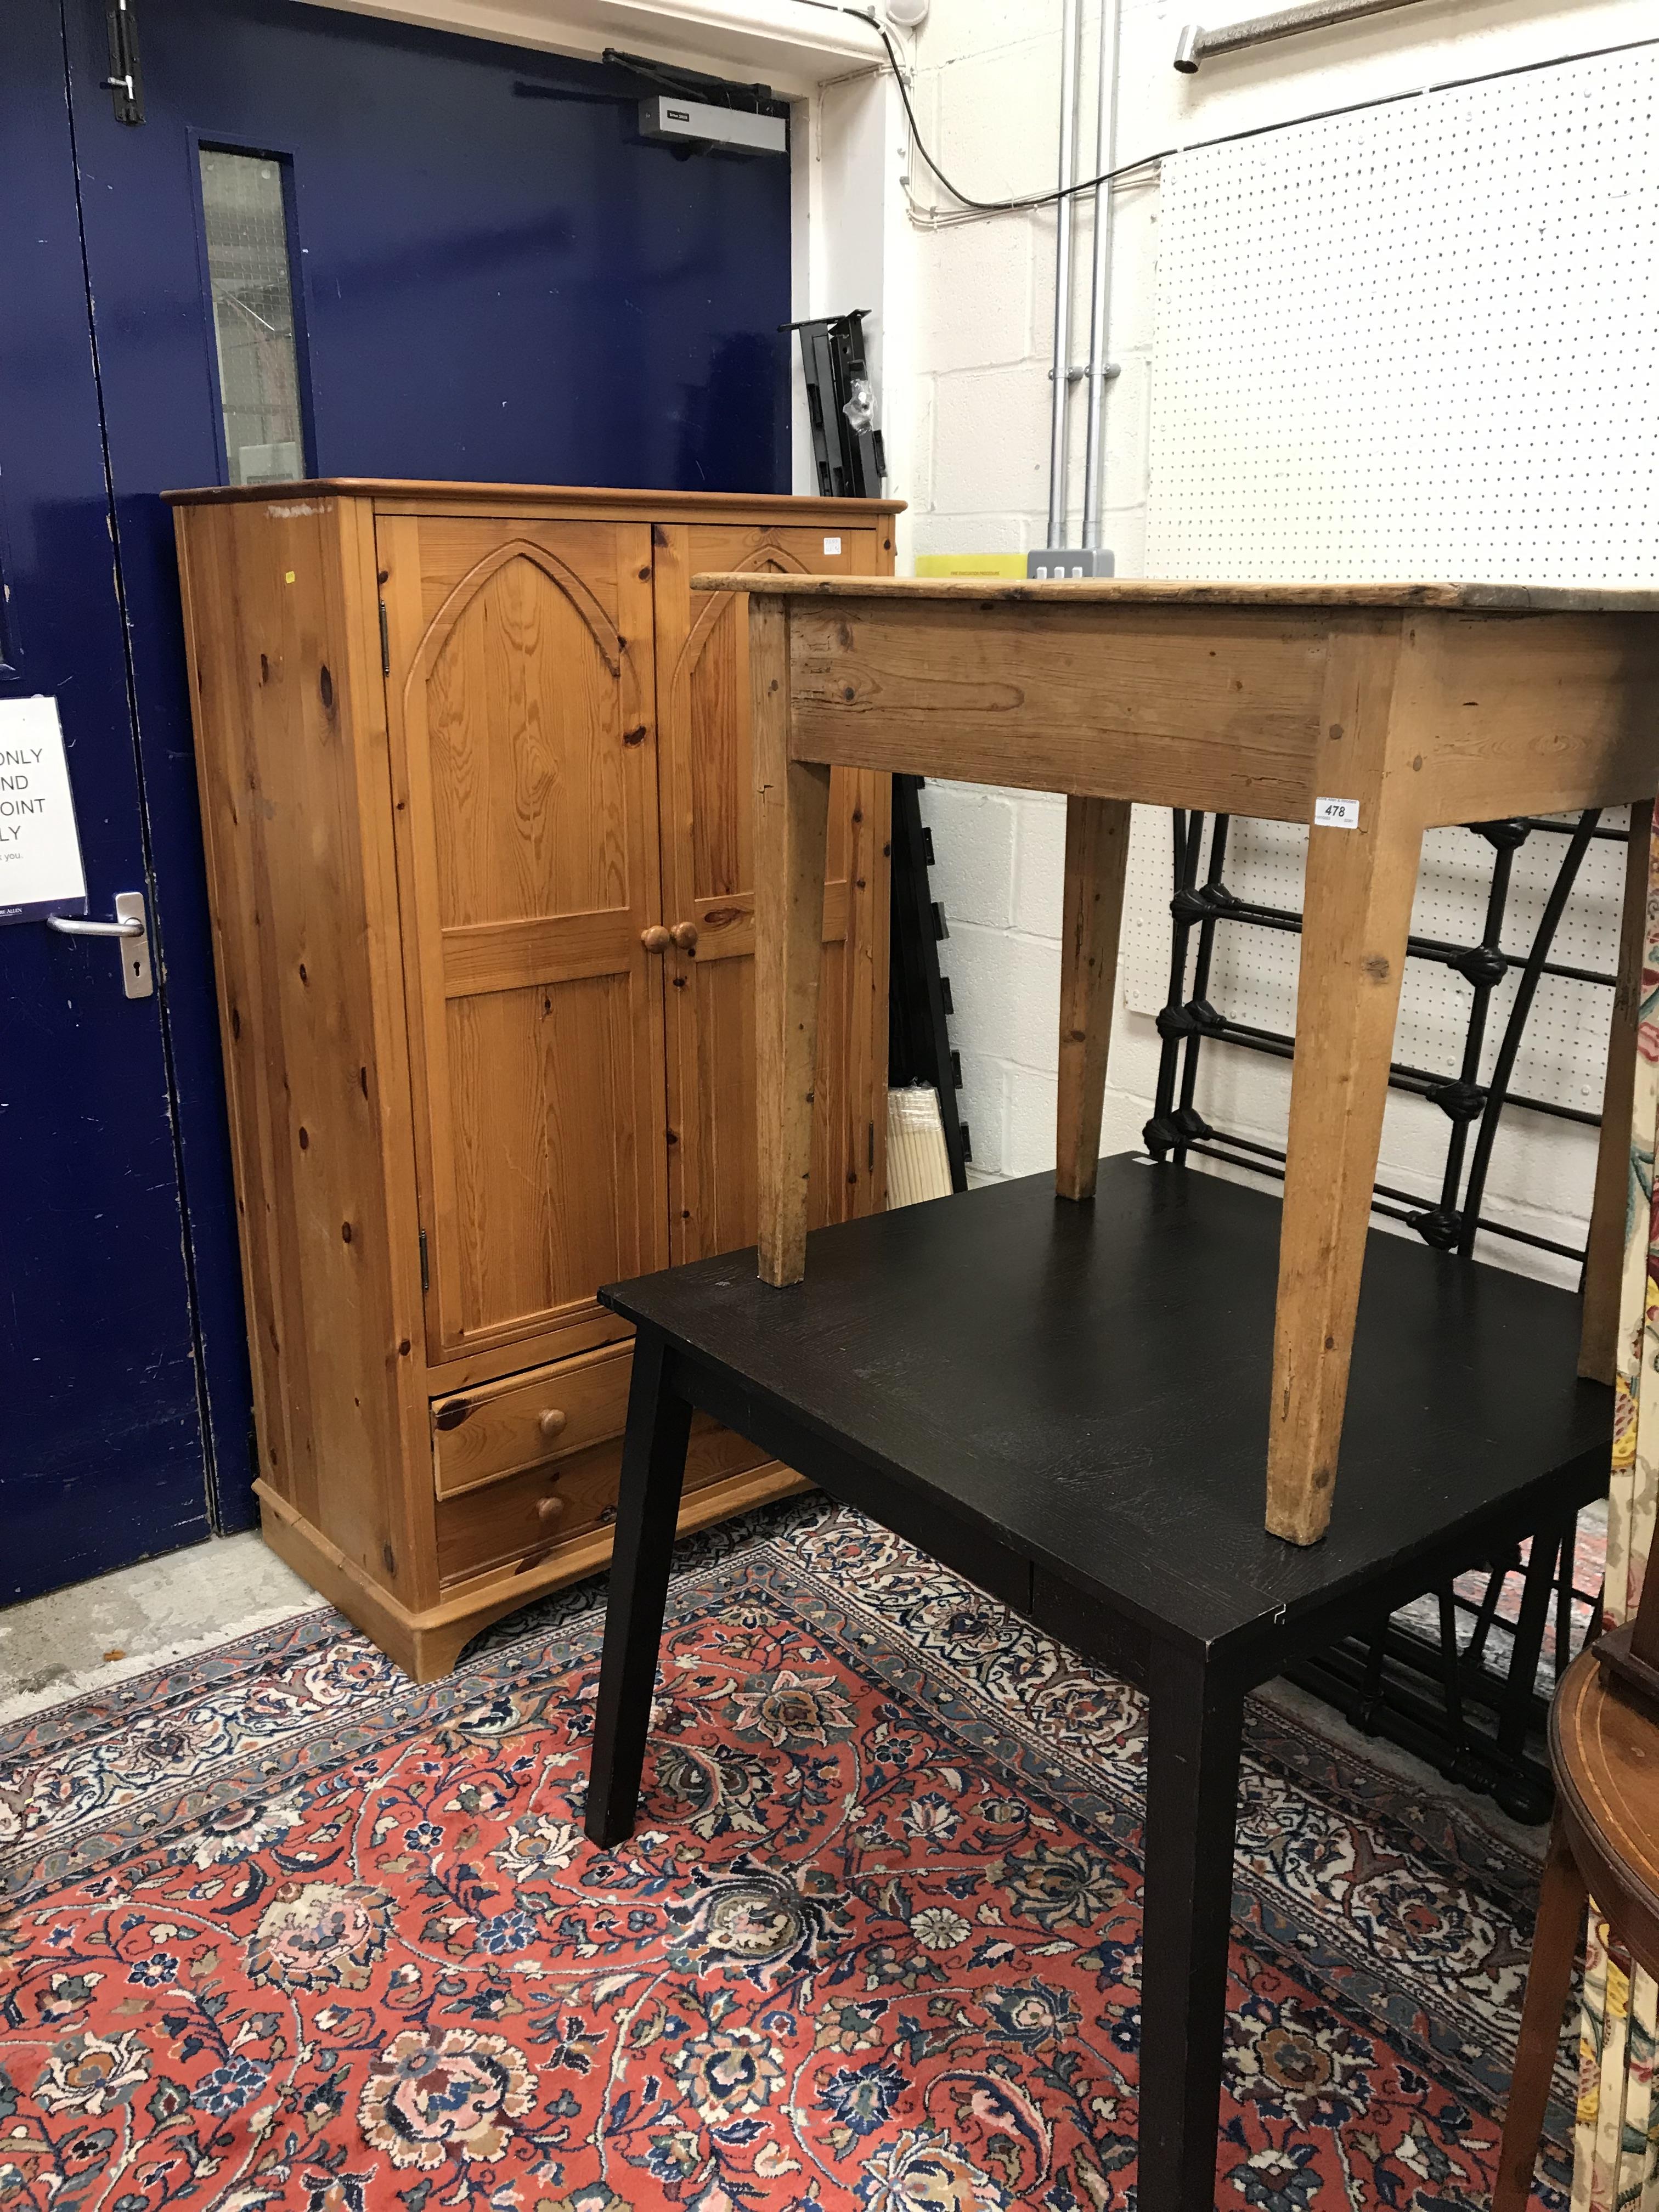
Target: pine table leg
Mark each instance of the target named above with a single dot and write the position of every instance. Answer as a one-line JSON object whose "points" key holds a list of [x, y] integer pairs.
{"points": [[1096, 856], [791, 817], [1357, 908]]}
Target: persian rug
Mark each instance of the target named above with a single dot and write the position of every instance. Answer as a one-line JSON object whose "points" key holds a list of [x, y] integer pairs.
{"points": [[283, 1930]]}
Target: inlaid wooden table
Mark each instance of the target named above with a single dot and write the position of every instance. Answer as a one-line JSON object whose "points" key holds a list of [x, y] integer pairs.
{"points": [[1068, 1405], [1369, 711]]}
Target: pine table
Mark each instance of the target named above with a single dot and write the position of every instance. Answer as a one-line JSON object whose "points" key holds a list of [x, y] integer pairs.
{"points": [[1370, 712]]}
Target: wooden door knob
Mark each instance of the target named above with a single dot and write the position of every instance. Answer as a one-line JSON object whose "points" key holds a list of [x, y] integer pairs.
{"points": [[548, 1508], [552, 1421], [656, 939], [684, 934]]}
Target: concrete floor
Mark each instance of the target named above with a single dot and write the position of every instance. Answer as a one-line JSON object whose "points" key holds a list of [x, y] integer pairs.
{"points": [[57, 1647]]}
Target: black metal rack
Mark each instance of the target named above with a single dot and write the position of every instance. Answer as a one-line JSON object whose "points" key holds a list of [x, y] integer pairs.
{"points": [[847, 449], [840, 405], [919, 1007], [1468, 1703]]}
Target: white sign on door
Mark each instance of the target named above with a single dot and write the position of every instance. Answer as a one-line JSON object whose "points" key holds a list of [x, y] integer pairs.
{"points": [[40, 871]]}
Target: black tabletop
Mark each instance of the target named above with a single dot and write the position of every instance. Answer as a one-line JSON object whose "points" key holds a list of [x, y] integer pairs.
{"points": [[1092, 1382]]}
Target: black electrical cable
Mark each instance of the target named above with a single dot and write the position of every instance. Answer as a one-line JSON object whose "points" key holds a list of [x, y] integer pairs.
{"points": [[1228, 138], [963, 199]]}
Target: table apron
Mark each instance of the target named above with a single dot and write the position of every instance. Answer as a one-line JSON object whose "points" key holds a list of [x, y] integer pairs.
{"points": [[1223, 709], [1257, 1658], [956, 1542], [1091, 1625], [1177, 707]]}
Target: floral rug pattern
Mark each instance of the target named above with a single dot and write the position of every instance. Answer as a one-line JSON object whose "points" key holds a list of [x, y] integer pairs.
{"points": [[282, 1930]]}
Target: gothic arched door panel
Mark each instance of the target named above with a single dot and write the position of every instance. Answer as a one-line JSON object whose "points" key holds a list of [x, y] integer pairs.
{"points": [[524, 751]]}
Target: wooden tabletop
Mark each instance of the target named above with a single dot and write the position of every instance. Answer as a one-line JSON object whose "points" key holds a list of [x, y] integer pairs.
{"points": [[1474, 599], [1091, 1381]]}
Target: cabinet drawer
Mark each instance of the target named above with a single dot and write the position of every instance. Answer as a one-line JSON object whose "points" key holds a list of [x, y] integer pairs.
{"points": [[523, 1518], [530, 1421]]}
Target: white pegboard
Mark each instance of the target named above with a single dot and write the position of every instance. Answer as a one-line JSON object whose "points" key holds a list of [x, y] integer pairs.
{"points": [[1421, 340], [1416, 341]]}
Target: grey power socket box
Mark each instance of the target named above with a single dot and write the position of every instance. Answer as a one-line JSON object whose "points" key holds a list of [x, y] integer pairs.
{"points": [[1068, 561]]}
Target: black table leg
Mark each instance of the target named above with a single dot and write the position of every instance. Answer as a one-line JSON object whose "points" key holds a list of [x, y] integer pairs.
{"points": [[1192, 1803], [653, 1470], [1522, 1795]]}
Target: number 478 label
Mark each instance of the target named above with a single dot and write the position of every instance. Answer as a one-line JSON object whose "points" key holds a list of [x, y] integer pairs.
{"points": [[1336, 814]]}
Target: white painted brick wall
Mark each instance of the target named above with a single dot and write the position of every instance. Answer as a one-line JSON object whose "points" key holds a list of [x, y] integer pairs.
{"points": [[987, 93]]}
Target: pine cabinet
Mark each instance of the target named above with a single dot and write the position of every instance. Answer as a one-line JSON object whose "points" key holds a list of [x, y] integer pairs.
{"points": [[475, 785]]}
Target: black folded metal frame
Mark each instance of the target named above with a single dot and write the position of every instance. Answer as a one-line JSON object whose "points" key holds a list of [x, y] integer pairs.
{"points": [[1463, 1697]]}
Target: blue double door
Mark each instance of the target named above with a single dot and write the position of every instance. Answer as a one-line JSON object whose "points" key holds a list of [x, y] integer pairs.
{"points": [[298, 241]]}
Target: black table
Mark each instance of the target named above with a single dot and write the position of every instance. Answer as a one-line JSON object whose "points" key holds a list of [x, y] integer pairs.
{"points": [[1067, 1404]]}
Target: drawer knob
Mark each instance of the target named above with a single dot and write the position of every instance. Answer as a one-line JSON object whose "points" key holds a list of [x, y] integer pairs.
{"points": [[684, 934], [656, 939], [548, 1508], [552, 1422]]}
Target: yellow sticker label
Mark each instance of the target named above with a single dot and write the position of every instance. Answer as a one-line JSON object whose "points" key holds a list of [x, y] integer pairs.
{"points": [[1012, 565], [289, 578]]}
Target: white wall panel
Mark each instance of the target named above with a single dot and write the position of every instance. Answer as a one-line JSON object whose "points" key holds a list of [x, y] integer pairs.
{"points": [[1418, 341], [1422, 340]]}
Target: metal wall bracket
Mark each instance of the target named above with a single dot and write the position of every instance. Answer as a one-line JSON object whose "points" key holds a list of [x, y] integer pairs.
{"points": [[125, 80], [1196, 45]]}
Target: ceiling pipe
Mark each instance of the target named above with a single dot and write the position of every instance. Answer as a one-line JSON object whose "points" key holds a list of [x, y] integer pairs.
{"points": [[1070, 32], [1100, 295]]}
